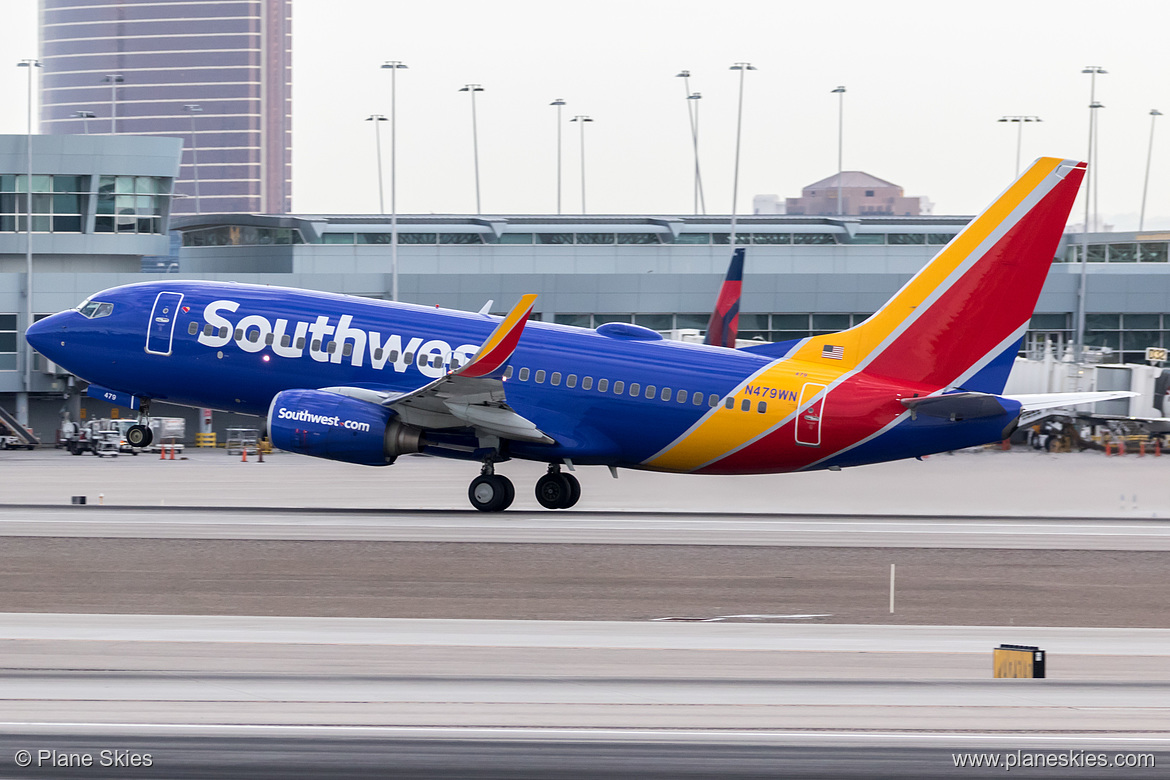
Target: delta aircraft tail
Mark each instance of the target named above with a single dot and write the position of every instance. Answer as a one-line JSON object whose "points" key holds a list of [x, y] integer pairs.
{"points": [[723, 326]]}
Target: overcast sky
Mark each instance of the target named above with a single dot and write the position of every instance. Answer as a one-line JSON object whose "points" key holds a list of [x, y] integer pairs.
{"points": [[926, 83]]}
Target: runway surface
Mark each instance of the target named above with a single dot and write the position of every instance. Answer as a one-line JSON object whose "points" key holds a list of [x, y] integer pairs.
{"points": [[489, 754], [586, 527], [345, 697], [584, 581], [668, 627], [972, 482]]}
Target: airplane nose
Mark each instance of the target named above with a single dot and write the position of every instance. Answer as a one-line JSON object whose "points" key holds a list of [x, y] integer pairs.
{"points": [[41, 334]]}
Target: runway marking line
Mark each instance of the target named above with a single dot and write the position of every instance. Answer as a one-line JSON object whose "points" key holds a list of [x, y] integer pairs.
{"points": [[496, 732], [679, 515]]}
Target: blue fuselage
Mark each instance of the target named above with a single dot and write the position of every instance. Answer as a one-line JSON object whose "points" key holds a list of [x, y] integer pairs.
{"points": [[390, 347], [620, 398]]}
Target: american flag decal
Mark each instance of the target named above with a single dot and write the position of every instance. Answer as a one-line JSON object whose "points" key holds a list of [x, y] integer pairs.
{"points": [[836, 353]]}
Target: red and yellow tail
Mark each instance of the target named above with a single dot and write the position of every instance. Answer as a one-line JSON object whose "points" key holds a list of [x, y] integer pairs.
{"points": [[956, 324], [957, 320]]}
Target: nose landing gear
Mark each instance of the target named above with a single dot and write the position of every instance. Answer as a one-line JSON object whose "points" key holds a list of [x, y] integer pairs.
{"points": [[556, 490], [140, 435], [491, 492]]}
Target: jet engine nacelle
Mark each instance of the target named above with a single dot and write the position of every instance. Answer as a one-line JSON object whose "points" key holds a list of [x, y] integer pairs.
{"points": [[337, 427]]}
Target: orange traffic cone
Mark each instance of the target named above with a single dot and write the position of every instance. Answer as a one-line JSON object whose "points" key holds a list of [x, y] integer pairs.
{"points": [[162, 452], [172, 450], [244, 451]]}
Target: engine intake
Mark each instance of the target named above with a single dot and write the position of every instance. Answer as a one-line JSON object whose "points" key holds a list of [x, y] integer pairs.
{"points": [[337, 427]]}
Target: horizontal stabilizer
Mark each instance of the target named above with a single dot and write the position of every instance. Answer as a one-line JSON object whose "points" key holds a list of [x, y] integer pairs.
{"points": [[955, 406], [1034, 401]]}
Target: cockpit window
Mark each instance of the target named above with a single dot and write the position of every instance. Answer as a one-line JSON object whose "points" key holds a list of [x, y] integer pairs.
{"points": [[94, 309]]}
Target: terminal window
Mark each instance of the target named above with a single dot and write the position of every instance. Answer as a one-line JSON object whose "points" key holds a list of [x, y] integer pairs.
{"points": [[7, 342], [246, 235], [58, 203], [131, 204], [460, 238], [416, 238], [1127, 334]]}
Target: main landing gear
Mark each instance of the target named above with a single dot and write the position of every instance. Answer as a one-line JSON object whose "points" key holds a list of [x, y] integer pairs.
{"points": [[492, 492], [556, 490]]}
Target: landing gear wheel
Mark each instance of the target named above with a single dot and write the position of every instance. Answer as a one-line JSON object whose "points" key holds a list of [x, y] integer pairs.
{"points": [[557, 491], [574, 491], [491, 493], [139, 436]]}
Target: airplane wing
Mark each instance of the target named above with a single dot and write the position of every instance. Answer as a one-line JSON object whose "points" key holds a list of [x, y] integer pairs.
{"points": [[471, 395]]}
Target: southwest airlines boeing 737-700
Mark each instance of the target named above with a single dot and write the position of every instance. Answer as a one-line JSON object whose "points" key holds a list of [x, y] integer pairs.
{"points": [[364, 381]]}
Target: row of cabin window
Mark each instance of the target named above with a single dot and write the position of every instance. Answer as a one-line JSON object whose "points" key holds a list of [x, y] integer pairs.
{"points": [[635, 389], [286, 341]]}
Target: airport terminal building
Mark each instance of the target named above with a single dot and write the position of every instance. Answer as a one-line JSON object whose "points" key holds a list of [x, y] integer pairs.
{"points": [[803, 275], [102, 215]]}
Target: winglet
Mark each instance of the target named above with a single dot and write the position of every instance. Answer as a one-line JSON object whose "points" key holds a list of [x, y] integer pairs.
{"points": [[494, 352]]}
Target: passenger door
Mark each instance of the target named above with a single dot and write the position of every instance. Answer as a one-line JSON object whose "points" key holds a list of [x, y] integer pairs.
{"points": [[808, 421], [161, 328]]}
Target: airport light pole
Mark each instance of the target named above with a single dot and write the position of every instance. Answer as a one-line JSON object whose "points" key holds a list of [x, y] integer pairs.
{"points": [[378, 119], [1154, 114], [192, 109], [560, 104], [1082, 290], [840, 93], [1020, 122], [742, 67], [582, 120], [472, 89], [393, 66], [1094, 138], [113, 79], [22, 399], [85, 116], [693, 99]]}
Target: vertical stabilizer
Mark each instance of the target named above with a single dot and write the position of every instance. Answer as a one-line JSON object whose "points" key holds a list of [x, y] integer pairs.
{"points": [[959, 321], [723, 326]]}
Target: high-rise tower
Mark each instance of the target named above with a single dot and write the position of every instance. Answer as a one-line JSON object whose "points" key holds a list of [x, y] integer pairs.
{"points": [[163, 67]]}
